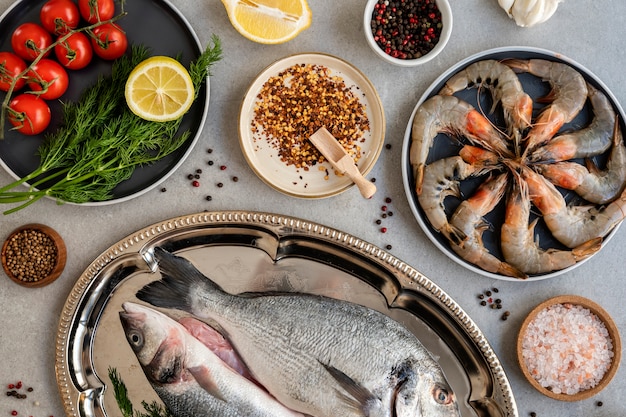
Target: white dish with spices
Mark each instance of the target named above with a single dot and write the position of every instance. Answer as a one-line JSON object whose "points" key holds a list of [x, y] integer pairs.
{"points": [[288, 101], [407, 33]]}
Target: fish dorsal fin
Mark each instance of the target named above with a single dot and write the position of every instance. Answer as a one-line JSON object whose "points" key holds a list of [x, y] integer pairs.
{"points": [[359, 398]]}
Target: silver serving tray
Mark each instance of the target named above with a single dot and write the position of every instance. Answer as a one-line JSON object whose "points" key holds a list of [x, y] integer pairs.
{"points": [[251, 251]]}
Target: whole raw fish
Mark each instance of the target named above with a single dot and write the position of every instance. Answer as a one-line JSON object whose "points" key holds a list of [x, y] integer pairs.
{"points": [[189, 378], [314, 354]]}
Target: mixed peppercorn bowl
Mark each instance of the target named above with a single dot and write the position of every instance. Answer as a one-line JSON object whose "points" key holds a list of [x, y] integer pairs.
{"points": [[407, 33]]}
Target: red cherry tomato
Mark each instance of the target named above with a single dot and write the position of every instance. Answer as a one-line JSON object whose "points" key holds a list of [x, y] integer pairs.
{"points": [[75, 52], [59, 16], [11, 66], [29, 114], [29, 39], [94, 11], [110, 41], [49, 76]]}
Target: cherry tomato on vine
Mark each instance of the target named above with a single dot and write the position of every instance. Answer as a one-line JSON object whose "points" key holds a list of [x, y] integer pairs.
{"points": [[75, 52], [29, 114], [49, 76], [94, 11], [29, 39], [59, 16], [110, 41], [11, 66]]}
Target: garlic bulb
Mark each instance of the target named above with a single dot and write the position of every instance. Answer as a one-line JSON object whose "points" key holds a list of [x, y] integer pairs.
{"points": [[529, 12]]}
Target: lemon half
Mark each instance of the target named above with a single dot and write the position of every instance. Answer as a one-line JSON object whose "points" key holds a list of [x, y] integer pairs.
{"points": [[269, 21], [159, 89]]}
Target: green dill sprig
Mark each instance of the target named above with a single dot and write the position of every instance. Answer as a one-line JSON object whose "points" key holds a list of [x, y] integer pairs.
{"points": [[120, 393], [101, 142]]}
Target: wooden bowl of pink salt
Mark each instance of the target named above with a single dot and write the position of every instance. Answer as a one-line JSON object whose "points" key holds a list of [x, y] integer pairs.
{"points": [[569, 348]]}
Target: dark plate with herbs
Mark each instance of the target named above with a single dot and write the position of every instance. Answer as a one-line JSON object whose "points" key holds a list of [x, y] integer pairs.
{"points": [[446, 146], [255, 252], [156, 24]]}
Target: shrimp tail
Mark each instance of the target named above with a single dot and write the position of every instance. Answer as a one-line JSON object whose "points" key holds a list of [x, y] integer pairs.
{"points": [[517, 65], [587, 249], [511, 271]]}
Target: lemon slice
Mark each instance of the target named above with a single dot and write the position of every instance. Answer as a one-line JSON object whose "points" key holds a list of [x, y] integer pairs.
{"points": [[269, 21], [159, 89]]}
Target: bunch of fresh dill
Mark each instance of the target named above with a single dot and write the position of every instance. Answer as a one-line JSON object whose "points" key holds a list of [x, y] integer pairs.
{"points": [[101, 142]]}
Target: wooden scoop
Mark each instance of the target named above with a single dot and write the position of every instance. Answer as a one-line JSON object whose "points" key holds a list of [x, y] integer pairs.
{"points": [[332, 150]]}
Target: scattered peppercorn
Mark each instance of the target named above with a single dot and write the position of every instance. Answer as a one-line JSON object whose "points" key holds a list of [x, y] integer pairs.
{"points": [[383, 230], [208, 198], [209, 150], [195, 183], [533, 414], [406, 29], [163, 189], [388, 200], [222, 167], [30, 255], [599, 403], [388, 247], [210, 162], [220, 185], [388, 146], [235, 179], [373, 180], [506, 315]]}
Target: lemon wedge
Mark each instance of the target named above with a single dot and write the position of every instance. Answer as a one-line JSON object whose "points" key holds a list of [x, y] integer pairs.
{"points": [[269, 21], [159, 89]]}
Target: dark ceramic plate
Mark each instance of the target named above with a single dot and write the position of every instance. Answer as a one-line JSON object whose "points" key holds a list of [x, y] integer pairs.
{"points": [[156, 24], [444, 147]]}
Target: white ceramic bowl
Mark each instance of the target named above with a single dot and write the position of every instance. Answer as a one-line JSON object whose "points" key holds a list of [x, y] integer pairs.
{"points": [[446, 19]]}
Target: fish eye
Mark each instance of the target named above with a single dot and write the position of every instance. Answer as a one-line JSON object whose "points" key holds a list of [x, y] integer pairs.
{"points": [[442, 396], [135, 338]]}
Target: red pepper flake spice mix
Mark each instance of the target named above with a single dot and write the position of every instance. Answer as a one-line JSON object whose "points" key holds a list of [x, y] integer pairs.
{"points": [[406, 29], [297, 102]]}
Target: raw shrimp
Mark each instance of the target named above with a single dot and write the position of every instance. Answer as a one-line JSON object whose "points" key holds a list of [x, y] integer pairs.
{"points": [[505, 88], [590, 183], [468, 218], [592, 140], [519, 246], [475, 155], [572, 225], [448, 114], [567, 98], [441, 179]]}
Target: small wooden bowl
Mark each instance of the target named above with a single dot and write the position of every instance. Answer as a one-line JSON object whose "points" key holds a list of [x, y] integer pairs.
{"points": [[613, 334], [59, 264]]}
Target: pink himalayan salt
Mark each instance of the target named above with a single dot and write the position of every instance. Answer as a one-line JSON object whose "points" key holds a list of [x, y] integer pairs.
{"points": [[567, 349]]}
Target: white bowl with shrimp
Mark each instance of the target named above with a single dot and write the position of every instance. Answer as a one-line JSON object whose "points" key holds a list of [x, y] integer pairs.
{"points": [[444, 37], [444, 146]]}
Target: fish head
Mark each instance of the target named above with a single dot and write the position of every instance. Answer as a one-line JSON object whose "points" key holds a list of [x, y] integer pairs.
{"points": [[426, 394], [157, 341]]}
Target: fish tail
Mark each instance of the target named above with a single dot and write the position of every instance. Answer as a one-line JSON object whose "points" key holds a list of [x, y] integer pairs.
{"points": [[179, 280]]}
